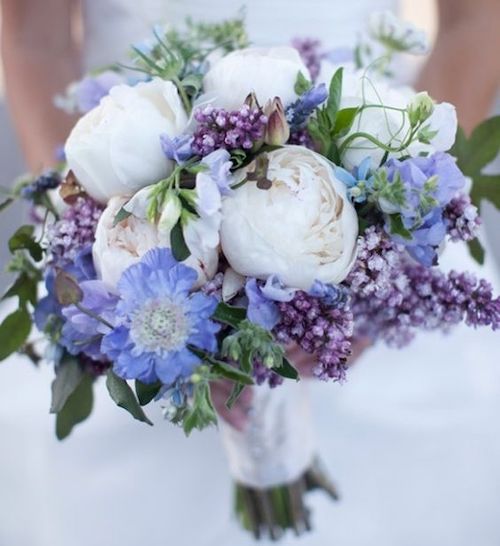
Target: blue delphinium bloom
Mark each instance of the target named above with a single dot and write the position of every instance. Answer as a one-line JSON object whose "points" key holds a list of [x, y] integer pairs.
{"points": [[81, 333], [178, 148], [158, 320], [219, 169], [299, 111], [359, 182], [262, 309]]}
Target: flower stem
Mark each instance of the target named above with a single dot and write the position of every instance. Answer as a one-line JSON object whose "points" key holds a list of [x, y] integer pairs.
{"points": [[93, 315]]}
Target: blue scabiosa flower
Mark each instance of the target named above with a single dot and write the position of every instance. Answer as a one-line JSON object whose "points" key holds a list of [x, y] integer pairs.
{"points": [[359, 182], [158, 320]]}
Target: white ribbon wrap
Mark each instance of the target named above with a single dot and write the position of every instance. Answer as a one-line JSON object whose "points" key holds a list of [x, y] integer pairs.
{"points": [[277, 445]]}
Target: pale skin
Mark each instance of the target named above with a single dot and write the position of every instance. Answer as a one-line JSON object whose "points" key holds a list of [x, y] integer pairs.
{"points": [[41, 57]]}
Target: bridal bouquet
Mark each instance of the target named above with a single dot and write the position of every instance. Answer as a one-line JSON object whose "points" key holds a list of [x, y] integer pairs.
{"points": [[231, 202]]}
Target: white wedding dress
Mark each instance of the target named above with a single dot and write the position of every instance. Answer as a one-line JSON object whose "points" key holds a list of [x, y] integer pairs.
{"points": [[411, 439]]}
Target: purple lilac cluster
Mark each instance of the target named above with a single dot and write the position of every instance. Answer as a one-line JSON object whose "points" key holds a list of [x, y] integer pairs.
{"points": [[461, 218], [393, 296], [318, 328], [310, 52], [219, 129], [262, 375], [73, 231], [301, 137]]}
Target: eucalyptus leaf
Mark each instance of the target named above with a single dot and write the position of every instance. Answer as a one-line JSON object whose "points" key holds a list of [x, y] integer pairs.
{"points": [[482, 147], [14, 332], [69, 375], [230, 372], [146, 392], [486, 187], [77, 408], [178, 244], [124, 397]]}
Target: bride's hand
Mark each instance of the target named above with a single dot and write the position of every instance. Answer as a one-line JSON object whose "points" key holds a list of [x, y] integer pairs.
{"points": [[237, 415]]}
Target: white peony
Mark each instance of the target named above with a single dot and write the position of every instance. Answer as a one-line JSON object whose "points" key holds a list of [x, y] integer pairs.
{"points": [[115, 148], [302, 229], [118, 247], [268, 72], [391, 127]]}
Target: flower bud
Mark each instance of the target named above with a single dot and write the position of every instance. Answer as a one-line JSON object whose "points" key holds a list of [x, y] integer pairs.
{"points": [[420, 108], [278, 130], [66, 289], [252, 101], [171, 213]]}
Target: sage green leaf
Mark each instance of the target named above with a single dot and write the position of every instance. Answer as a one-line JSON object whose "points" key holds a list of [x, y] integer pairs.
{"points": [[23, 239], [124, 397], [233, 316], [476, 250], [25, 288], [146, 392], [178, 244], [14, 332], [302, 84], [202, 413], [482, 147], [230, 372], [77, 408], [121, 215], [344, 121], [486, 187], [69, 375], [334, 96], [286, 370]]}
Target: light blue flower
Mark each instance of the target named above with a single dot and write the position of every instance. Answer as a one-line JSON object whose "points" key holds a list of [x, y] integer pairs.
{"points": [[177, 149], [159, 320], [92, 89], [219, 169], [262, 309], [332, 295], [359, 182]]}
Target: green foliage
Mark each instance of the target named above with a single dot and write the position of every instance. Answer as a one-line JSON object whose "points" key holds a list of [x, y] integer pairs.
{"points": [[25, 288], [77, 408], [121, 215], [302, 84], [124, 397], [69, 375], [180, 250], [201, 412], [146, 391], [286, 370], [23, 239], [473, 155], [14, 332], [227, 314]]}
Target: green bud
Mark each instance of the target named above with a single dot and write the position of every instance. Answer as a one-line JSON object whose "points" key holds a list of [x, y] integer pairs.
{"points": [[170, 213], [420, 108]]}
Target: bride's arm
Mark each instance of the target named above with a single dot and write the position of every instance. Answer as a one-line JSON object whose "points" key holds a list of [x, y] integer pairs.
{"points": [[464, 67], [40, 58]]}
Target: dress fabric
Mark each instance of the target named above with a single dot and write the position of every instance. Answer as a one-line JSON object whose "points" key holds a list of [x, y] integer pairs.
{"points": [[411, 439]]}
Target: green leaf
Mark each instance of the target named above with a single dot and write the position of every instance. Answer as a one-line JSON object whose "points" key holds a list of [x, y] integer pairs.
{"points": [[230, 315], [193, 83], [486, 187], [302, 84], [146, 392], [334, 96], [77, 408], [6, 203], [121, 215], [14, 332], [180, 249], [202, 413], [476, 251], [23, 239], [246, 364], [230, 372], [482, 147], [397, 227], [286, 370], [344, 121], [69, 375], [25, 288], [124, 397]]}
